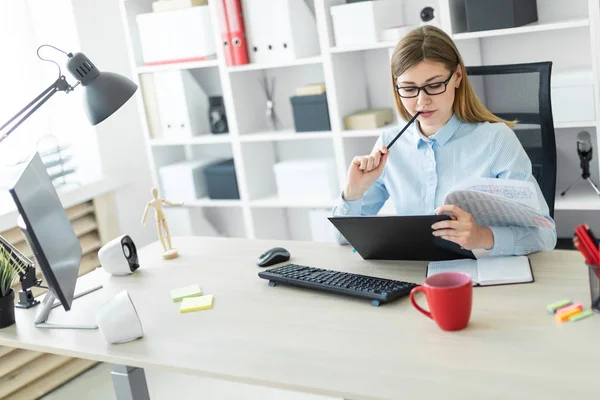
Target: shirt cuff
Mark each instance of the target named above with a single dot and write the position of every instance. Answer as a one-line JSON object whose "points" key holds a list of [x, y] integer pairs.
{"points": [[504, 242], [350, 207]]}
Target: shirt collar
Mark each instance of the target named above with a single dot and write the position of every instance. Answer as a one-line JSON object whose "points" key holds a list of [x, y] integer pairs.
{"points": [[442, 136]]}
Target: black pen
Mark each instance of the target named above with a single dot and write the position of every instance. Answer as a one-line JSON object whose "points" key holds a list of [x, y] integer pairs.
{"points": [[403, 129]]}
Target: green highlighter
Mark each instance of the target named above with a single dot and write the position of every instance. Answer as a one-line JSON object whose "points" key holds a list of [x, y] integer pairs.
{"points": [[559, 304], [581, 315], [184, 292]]}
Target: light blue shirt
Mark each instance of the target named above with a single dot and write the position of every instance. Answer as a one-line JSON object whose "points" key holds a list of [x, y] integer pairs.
{"points": [[420, 171]]}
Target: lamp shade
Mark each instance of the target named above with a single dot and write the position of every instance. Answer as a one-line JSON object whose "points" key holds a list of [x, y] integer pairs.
{"points": [[105, 92]]}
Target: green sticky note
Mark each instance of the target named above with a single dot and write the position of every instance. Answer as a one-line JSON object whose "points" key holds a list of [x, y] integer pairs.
{"points": [[184, 292], [196, 303], [581, 315], [559, 304]]}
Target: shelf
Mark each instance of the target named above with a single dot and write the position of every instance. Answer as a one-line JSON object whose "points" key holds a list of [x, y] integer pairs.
{"points": [[366, 132], [275, 202], [85, 224], [533, 27], [356, 77], [284, 64], [284, 135], [206, 202], [574, 124], [580, 197], [177, 66], [80, 210], [363, 47], [200, 139]]}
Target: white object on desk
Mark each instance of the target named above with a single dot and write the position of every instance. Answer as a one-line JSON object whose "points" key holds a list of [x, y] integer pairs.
{"points": [[165, 36], [119, 256], [364, 22], [488, 271], [118, 320], [572, 95]]}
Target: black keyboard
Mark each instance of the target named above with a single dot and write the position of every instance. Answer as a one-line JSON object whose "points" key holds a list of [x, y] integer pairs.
{"points": [[378, 290]]}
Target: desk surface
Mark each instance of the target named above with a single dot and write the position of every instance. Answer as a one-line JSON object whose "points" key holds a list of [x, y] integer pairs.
{"points": [[333, 345]]}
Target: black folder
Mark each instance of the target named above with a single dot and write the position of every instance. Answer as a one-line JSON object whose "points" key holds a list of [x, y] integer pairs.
{"points": [[398, 238]]}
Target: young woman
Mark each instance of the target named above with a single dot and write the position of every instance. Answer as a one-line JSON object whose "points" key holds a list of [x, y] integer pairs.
{"points": [[454, 138]]}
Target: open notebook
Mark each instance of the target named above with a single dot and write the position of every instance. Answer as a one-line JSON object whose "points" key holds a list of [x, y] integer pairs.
{"points": [[489, 270]]}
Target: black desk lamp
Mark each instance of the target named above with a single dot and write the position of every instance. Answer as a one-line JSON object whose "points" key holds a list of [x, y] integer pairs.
{"points": [[105, 92]]}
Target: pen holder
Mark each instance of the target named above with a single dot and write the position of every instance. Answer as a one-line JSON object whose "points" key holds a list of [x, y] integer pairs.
{"points": [[594, 274]]}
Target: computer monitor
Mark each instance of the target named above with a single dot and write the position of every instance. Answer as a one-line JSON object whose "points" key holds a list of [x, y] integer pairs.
{"points": [[50, 236]]}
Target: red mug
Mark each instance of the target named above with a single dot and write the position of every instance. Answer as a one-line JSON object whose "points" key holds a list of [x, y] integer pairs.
{"points": [[450, 297]]}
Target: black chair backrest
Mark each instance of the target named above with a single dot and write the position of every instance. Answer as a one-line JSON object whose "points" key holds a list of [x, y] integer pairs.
{"points": [[522, 92]]}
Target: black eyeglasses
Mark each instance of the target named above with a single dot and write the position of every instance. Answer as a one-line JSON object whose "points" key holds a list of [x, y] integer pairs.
{"points": [[431, 89]]}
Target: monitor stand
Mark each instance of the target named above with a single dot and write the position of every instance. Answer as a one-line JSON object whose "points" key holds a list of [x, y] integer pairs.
{"points": [[49, 303]]}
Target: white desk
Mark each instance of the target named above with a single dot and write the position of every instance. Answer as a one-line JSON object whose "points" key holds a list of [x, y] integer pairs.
{"points": [[307, 341]]}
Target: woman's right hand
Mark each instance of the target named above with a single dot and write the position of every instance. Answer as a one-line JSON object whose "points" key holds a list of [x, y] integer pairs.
{"points": [[363, 172]]}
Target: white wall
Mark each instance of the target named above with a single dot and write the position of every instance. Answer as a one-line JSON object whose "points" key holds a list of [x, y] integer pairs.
{"points": [[120, 138]]}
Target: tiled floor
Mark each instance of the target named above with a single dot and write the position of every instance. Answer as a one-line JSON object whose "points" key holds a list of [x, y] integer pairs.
{"points": [[96, 384]]}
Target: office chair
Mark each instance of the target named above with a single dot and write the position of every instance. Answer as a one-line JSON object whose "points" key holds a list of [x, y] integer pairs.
{"points": [[522, 92]]}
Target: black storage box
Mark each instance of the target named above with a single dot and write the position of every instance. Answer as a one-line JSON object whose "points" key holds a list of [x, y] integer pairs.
{"points": [[221, 182], [483, 15], [310, 113]]}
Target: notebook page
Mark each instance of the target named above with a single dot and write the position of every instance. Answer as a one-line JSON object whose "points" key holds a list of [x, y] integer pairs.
{"points": [[466, 265], [491, 210], [498, 270], [522, 192]]}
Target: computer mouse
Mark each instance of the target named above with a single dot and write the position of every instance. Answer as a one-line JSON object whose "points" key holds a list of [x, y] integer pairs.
{"points": [[273, 256]]}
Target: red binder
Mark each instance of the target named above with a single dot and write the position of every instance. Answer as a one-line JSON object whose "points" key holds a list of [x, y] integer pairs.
{"points": [[235, 19], [225, 32]]}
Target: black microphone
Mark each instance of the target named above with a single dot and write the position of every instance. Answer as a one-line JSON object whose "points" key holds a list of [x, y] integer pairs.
{"points": [[584, 150]]}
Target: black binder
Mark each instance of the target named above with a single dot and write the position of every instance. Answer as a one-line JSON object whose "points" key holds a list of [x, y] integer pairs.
{"points": [[398, 238]]}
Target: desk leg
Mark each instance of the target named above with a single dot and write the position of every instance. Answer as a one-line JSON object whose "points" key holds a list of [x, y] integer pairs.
{"points": [[129, 383]]}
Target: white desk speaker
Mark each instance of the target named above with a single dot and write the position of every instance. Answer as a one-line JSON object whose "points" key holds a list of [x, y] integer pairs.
{"points": [[119, 256], [118, 320]]}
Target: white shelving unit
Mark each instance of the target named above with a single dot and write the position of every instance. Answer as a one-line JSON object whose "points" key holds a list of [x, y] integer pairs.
{"points": [[568, 34]]}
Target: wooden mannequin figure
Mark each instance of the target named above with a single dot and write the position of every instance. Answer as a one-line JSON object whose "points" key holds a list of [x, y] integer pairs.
{"points": [[161, 223]]}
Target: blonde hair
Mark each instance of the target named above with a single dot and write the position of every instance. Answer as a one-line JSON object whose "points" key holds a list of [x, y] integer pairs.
{"points": [[433, 44]]}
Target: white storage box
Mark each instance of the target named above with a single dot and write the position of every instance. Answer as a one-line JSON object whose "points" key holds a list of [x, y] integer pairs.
{"points": [[176, 36], [184, 181], [306, 180], [364, 22], [573, 96]]}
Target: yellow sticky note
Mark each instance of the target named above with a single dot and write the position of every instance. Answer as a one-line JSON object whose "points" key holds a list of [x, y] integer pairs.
{"points": [[196, 303], [188, 291]]}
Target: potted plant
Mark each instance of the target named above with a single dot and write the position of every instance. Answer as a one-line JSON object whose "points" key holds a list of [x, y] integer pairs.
{"points": [[9, 270]]}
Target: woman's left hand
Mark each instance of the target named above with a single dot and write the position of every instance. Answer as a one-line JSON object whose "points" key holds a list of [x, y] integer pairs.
{"points": [[462, 229]]}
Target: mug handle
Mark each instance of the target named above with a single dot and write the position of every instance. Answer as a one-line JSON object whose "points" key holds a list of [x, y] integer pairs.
{"points": [[414, 291]]}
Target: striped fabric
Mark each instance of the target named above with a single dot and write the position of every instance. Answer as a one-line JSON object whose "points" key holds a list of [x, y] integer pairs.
{"points": [[420, 172]]}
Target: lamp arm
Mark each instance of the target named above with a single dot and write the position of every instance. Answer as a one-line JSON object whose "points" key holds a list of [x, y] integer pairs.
{"points": [[59, 85]]}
